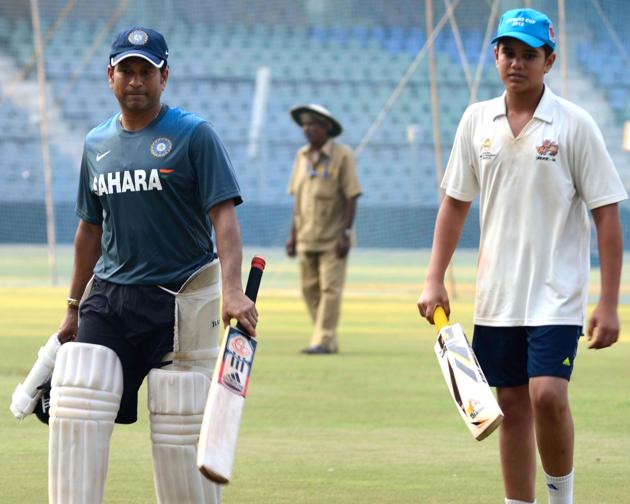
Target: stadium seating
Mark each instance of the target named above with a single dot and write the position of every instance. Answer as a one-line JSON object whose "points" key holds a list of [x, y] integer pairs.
{"points": [[351, 69]]}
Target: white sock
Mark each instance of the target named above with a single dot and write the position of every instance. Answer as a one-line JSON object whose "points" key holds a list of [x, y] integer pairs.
{"points": [[560, 488], [515, 501]]}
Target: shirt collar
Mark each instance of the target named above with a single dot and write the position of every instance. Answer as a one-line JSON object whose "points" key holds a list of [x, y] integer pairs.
{"points": [[497, 107], [326, 148], [543, 110], [545, 106]]}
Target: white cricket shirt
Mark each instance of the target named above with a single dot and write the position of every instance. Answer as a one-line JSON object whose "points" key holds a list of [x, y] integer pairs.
{"points": [[535, 191]]}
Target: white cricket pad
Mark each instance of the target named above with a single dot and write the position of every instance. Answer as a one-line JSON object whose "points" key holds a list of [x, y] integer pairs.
{"points": [[466, 382], [176, 404], [87, 385], [197, 321], [26, 395]]}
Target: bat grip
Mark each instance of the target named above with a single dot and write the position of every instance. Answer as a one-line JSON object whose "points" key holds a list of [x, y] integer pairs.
{"points": [[253, 283], [440, 318]]}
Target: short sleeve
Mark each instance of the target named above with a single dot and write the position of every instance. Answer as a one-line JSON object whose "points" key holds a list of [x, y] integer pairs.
{"points": [[293, 181], [88, 207], [349, 180], [460, 179], [213, 167], [596, 178]]}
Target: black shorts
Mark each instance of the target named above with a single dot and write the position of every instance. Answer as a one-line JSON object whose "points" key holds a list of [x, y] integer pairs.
{"points": [[510, 356], [136, 322]]}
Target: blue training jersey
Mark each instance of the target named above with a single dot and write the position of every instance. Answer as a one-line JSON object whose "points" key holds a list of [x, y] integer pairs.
{"points": [[151, 191]]}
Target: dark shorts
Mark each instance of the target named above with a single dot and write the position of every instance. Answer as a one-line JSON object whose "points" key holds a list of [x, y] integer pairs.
{"points": [[510, 356], [136, 322]]}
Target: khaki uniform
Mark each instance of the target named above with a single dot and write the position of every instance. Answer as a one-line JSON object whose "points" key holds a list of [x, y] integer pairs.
{"points": [[321, 182]]}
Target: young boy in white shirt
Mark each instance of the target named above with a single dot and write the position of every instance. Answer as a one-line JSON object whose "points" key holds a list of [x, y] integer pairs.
{"points": [[538, 164]]}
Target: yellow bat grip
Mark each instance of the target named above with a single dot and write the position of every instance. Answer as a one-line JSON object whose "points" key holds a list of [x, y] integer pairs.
{"points": [[440, 318]]}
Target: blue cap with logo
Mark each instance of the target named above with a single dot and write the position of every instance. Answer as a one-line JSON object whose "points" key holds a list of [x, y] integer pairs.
{"points": [[139, 42], [527, 25]]}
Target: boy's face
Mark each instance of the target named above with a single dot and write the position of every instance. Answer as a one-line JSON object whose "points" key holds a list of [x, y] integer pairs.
{"points": [[522, 68]]}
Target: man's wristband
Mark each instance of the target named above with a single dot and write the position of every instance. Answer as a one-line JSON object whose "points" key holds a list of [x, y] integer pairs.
{"points": [[347, 232], [72, 303]]}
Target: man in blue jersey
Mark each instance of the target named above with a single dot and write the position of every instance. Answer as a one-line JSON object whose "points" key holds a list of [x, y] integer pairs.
{"points": [[154, 183]]}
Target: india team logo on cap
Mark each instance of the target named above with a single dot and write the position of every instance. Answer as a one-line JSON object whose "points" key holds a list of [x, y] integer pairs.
{"points": [[161, 147], [139, 42], [138, 37]]}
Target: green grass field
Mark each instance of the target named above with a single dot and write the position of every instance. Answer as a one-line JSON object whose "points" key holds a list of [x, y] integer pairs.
{"points": [[374, 424]]}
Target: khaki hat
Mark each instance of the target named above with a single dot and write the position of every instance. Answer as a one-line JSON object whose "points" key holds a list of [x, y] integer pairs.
{"points": [[318, 110]]}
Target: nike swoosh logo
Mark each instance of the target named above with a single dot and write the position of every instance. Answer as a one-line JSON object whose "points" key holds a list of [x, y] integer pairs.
{"points": [[101, 156]]}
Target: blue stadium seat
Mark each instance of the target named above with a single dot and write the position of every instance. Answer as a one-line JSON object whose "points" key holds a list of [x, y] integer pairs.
{"points": [[352, 68]]}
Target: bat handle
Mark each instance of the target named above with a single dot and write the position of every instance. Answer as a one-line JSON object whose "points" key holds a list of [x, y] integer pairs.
{"points": [[253, 283], [440, 318]]}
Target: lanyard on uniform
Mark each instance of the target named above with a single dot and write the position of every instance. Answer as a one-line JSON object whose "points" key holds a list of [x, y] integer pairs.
{"points": [[311, 169]]}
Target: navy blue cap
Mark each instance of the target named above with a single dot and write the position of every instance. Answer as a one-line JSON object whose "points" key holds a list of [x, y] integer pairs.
{"points": [[139, 42], [527, 25]]}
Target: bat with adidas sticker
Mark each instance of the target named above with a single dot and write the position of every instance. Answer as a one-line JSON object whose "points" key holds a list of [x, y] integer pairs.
{"points": [[465, 379], [226, 400]]}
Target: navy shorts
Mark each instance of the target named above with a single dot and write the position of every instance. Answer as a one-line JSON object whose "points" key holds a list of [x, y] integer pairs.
{"points": [[136, 322], [510, 356]]}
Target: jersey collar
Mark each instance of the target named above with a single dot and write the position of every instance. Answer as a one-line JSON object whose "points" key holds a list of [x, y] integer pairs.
{"points": [[545, 106], [543, 111]]}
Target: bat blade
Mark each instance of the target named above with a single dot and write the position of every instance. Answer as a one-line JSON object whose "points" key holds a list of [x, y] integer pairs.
{"points": [[224, 408], [466, 382]]}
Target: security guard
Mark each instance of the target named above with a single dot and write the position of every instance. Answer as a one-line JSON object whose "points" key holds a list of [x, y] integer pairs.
{"points": [[325, 186]]}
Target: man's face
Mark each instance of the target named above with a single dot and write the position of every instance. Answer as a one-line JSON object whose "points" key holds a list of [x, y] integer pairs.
{"points": [[137, 84], [315, 131], [522, 68]]}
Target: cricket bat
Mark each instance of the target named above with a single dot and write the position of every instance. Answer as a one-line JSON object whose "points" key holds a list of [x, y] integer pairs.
{"points": [[465, 379], [224, 408]]}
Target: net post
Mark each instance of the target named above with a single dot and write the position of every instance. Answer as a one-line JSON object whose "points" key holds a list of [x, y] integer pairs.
{"points": [[44, 132]]}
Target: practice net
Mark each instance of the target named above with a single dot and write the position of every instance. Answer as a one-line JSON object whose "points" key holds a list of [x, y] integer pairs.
{"points": [[397, 74]]}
